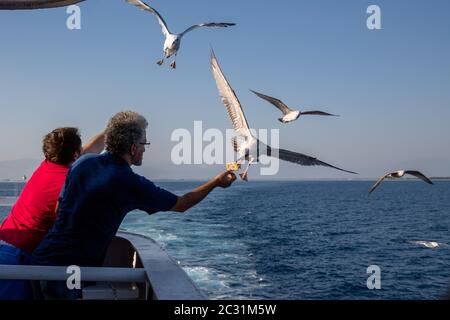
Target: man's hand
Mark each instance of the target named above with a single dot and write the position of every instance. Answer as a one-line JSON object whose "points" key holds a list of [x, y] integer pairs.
{"points": [[225, 179], [190, 199]]}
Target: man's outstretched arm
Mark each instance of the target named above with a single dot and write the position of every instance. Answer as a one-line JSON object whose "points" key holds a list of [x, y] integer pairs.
{"points": [[190, 199], [95, 145]]}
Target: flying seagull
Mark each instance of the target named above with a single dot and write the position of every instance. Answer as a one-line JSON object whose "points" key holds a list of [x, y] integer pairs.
{"points": [[34, 4], [289, 115], [173, 41], [399, 174], [240, 125]]}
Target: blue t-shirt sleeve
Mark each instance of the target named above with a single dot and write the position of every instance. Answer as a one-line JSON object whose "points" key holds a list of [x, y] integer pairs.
{"points": [[152, 199]]}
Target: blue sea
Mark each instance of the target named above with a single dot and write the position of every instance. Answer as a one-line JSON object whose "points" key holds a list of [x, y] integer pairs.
{"points": [[306, 239]]}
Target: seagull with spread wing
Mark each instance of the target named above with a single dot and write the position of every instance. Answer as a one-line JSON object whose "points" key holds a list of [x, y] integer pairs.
{"points": [[400, 174], [250, 143], [289, 115], [173, 41]]}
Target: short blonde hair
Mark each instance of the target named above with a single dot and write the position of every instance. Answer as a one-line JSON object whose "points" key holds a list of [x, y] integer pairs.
{"points": [[124, 129]]}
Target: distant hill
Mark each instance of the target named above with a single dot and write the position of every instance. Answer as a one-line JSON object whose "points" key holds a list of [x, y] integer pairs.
{"points": [[16, 169]]}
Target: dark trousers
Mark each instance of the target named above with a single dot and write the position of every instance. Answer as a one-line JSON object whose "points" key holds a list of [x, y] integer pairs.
{"points": [[57, 290], [14, 289]]}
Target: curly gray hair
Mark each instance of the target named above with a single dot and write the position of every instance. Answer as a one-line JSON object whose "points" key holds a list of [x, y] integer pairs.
{"points": [[124, 129]]}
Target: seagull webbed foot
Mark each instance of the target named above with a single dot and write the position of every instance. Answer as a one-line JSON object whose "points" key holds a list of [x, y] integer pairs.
{"points": [[244, 176], [173, 65], [160, 62]]}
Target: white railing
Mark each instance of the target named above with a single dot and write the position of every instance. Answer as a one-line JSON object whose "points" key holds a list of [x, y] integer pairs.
{"points": [[103, 274]]}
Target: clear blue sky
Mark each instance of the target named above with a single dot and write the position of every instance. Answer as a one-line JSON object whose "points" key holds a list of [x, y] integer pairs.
{"points": [[391, 87]]}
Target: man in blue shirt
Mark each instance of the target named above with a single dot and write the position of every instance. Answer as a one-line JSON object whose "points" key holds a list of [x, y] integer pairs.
{"points": [[99, 191]]}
